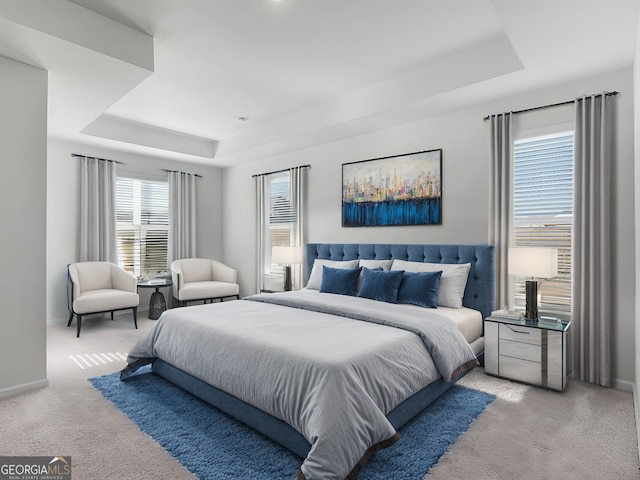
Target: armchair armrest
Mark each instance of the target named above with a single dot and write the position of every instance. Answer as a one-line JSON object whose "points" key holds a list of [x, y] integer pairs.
{"points": [[75, 282], [223, 273], [177, 278], [122, 280]]}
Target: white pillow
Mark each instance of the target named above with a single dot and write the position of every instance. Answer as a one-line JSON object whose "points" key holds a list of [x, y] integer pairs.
{"points": [[452, 283], [385, 265], [315, 279]]}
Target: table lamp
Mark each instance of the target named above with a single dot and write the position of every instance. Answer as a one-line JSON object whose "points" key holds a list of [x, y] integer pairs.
{"points": [[533, 263], [286, 256]]}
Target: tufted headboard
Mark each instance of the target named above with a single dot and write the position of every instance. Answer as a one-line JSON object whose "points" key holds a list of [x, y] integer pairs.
{"points": [[479, 293]]}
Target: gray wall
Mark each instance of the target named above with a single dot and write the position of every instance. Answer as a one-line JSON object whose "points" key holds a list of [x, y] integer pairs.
{"points": [[64, 212], [463, 136], [23, 184], [636, 89]]}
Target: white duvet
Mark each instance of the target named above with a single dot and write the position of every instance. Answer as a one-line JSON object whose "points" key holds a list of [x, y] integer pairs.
{"points": [[331, 377]]}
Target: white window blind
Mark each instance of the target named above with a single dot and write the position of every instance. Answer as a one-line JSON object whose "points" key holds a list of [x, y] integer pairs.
{"points": [[543, 211], [283, 217], [142, 224]]}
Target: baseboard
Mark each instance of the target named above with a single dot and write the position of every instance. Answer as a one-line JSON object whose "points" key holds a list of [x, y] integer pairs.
{"points": [[57, 321], [623, 385], [24, 387], [636, 408]]}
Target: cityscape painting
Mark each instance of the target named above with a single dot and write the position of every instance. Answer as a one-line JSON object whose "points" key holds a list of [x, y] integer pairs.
{"points": [[400, 190]]}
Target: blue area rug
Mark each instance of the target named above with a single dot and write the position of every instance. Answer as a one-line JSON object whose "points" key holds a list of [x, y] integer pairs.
{"points": [[214, 446]]}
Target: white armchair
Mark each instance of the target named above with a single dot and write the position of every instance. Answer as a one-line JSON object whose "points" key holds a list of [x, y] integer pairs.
{"points": [[202, 279], [98, 287]]}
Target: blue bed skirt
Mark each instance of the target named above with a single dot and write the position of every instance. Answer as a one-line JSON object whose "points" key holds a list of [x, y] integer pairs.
{"points": [[276, 429]]}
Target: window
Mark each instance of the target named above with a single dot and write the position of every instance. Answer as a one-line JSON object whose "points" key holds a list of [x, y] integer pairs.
{"points": [[280, 198], [142, 225], [279, 224], [283, 217], [543, 211]]}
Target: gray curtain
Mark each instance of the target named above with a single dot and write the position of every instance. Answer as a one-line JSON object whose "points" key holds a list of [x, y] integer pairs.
{"points": [[500, 195], [262, 224], [297, 240], [182, 216], [98, 210], [591, 296]]}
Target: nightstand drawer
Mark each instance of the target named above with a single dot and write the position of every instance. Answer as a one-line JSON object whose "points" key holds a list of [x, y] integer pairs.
{"points": [[517, 333], [523, 351], [522, 370]]}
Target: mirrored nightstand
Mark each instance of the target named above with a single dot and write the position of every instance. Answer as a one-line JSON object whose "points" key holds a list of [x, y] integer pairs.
{"points": [[528, 351]]}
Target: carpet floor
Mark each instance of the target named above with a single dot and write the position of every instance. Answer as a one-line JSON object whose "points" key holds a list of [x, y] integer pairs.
{"points": [[214, 446]]}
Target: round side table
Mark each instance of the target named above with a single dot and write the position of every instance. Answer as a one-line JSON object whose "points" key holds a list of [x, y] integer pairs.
{"points": [[157, 303]]}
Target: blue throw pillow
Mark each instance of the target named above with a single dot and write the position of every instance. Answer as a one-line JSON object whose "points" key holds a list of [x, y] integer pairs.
{"points": [[380, 285], [339, 280], [420, 288]]}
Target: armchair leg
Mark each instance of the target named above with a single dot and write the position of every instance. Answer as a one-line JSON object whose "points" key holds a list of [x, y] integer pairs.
{"points": [[112, 316], [79, 322], [70, 319], [135, 317]]}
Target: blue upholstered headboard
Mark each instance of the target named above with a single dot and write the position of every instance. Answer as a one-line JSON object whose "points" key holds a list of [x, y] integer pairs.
{"points": [[480, 291]]}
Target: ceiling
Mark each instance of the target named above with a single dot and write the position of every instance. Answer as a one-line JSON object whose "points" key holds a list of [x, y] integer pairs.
{"points": [[175, 78]]}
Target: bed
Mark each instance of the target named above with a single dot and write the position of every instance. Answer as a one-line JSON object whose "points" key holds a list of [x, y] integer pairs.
{"points": [[330, 376]]}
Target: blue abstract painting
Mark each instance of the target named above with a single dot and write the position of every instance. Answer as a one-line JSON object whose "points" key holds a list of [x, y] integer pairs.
{"points": [[400, 190]]}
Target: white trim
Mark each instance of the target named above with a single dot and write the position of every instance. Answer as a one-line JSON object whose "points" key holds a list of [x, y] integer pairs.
{"points": [[623, 385], [636, 409], [149, 176], [543, 131], [24, 387]]}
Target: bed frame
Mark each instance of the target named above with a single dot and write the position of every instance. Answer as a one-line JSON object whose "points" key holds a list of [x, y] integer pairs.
{"points": [[479, 295]]}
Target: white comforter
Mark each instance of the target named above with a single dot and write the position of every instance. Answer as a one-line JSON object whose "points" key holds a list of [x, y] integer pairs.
{"points": [[331, 377]]}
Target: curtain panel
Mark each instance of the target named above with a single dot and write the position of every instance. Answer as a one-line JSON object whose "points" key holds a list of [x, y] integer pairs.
{"points": [[262, 229], [98, 210], [182, 216], [591, 298], [297, 197], [500, 199]]}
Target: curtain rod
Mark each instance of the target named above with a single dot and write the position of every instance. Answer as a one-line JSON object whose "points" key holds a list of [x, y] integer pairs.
{"points": [[97, 158], [178, 171], [278, 171], [567, 102]]}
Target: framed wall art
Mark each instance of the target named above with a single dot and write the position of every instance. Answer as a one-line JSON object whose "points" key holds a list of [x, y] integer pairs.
{"points": [[399, 190]]}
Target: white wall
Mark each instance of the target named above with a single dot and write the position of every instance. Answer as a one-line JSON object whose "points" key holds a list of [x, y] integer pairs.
{"points": [[63, 179], [636, 90], [23, 183], [463, 136]]}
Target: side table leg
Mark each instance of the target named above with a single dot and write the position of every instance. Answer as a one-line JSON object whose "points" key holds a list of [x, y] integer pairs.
{"points": [[157, 305]]}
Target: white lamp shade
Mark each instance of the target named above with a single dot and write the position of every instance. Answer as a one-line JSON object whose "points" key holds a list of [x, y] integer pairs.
{"points": [[533, 262], [286, 255]]}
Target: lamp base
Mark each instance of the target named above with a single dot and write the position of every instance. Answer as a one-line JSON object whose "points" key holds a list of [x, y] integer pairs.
{"points": [[287, 278], [531, 289]]}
